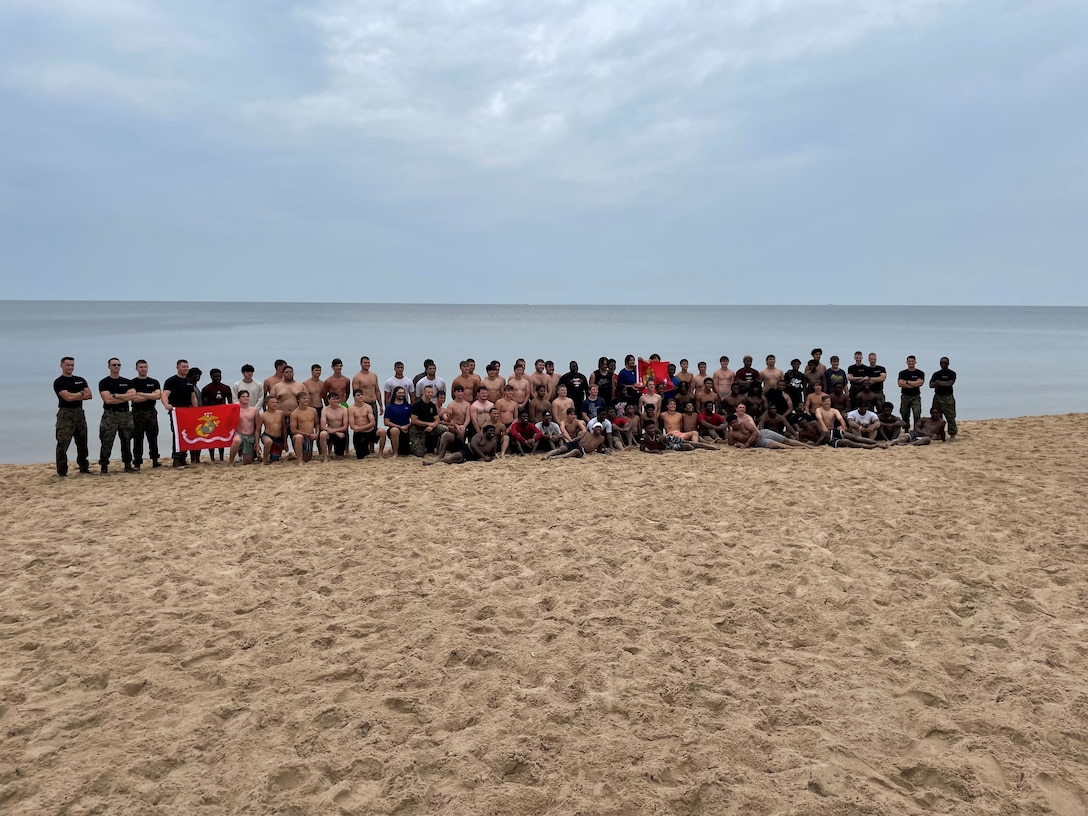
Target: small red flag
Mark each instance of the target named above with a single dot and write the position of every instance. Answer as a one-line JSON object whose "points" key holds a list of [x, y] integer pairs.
{"points": [[656, 370], [205, 428]]}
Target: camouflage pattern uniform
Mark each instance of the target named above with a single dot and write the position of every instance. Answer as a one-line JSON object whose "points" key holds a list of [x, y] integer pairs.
{"points": [[72, 424]]}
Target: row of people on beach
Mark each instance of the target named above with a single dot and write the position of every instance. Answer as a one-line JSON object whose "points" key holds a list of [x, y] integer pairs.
{"points": [[546, 412]]}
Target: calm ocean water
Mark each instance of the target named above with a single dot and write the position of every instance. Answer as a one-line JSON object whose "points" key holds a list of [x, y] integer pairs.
{"points": [[1011, 361]]}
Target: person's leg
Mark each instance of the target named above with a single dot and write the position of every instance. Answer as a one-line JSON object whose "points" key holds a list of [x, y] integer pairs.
{"points": [[394, 441], [107, 434], [66, 428], [139, 430], [947, 404], [417, 441], [124, 430]]}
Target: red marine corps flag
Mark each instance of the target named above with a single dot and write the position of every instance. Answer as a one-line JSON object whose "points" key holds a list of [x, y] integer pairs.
{"points": [[205, 428], [653, 370]]}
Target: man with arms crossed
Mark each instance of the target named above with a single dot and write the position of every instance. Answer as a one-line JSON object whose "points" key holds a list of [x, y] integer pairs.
{"points": [[942, 382], [72, 392], [117, 393], [145, 419], [910, 384]]}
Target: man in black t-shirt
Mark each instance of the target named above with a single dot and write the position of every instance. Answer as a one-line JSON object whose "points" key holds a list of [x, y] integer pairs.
{"points": [[910, 383], [877, 376], [145, 419], [116, 392], [793, 383], [858, 375], [941, 382], [425, 430], [178, 392], [576, 383], [71, 393]]}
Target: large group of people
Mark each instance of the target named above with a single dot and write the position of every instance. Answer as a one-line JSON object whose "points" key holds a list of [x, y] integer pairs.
{"points": [[539, 412]]}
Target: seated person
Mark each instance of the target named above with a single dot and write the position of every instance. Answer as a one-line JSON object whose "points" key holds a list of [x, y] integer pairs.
{"points": [[527, 436], [452, 450]]}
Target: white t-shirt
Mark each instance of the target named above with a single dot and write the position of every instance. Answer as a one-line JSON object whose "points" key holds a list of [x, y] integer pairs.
{"points": [[403, 382], [551, 429], [595, 422], [866, 421], [438, 383]]}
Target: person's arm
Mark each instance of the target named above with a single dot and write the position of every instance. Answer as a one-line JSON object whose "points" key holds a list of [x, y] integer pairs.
{"points": [[164, 397]]}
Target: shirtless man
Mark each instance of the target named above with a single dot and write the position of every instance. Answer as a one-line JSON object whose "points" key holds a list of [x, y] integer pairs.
{"points": [[275, 378], [629, 430], [585, 442], [652, 398], [334, 425], [502, 433], [454, 451], [540, 404], [316, 388], [835, 429], [771, 420], [734, 399], [508, 406], [561, 403], [707, 393], [934, 426], [553, 379], [271, 430], [539, 377], [891, 428], [685, 376], [336, 383], [305, 432], [458, 414], [840, 400], [363, 424], [816, 398], [288, 393], [771, 375], [743, 432], [468, 382], [673, 421], [245, 436], [816, 354], [496, 385], [398, 378], [522, 388], [814, 376], [572, 426], [366, 381], [480, 409], [723, 378]]}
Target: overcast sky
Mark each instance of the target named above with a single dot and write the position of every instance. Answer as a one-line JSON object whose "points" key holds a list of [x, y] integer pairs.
{"points": [[636, 151]]}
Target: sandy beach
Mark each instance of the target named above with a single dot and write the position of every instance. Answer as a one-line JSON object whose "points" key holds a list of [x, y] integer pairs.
{"points": [[728, 632]]}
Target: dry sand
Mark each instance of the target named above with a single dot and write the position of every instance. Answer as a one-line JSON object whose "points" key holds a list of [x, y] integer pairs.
{"points": [[813, 632]]}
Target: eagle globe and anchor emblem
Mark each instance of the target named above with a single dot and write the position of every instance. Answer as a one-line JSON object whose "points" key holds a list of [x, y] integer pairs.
{"points": [[207, 425]]}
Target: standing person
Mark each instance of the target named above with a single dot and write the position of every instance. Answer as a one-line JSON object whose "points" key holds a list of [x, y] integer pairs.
{"points": [[145, 419], [72, 392], [605, 380], [942, 382], [627, 382], [178, 392], [316, 388], [366, 381], [577, 386], [337, 384], [216, 393], [858, 376], [793, 382], [877, 376], [723, 378], [430, 378], [772, 375], [910, 384], [245, 438], [521, 386], [247, 383], [194, 378], [398, 379], [269, 382], [117, 394]]}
